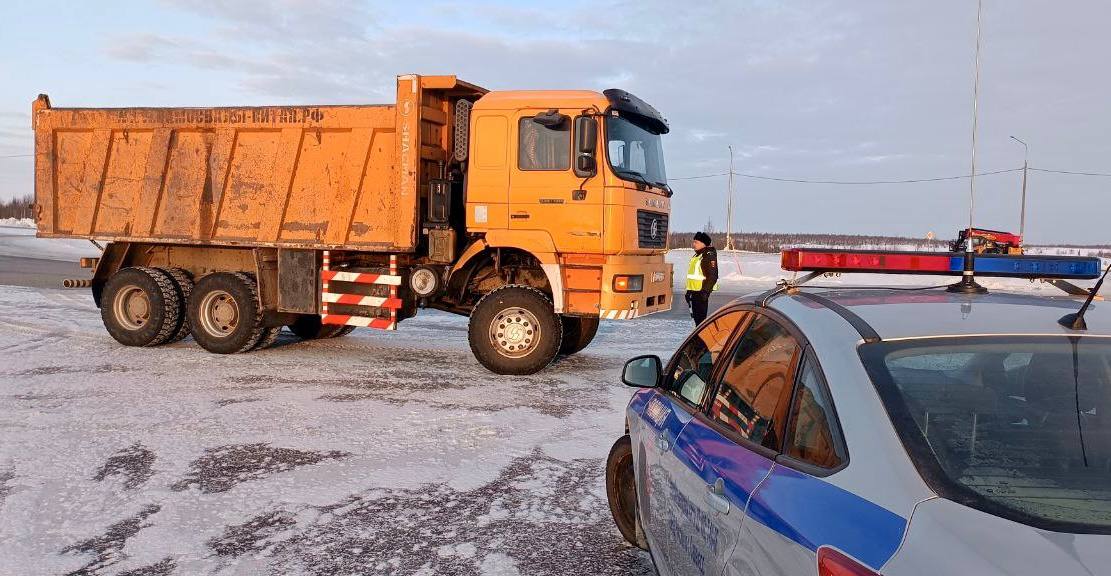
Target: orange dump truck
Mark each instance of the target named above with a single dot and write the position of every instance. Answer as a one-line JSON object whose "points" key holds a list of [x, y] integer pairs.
{"points": [[535, 213]]}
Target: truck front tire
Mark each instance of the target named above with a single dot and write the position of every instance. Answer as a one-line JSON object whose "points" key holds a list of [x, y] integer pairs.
{"points": [[224, 313], [515, 331], [578, 332], [140, 306]]}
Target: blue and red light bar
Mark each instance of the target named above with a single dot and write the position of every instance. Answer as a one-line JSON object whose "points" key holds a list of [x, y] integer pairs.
{"points": [[940, 263]]}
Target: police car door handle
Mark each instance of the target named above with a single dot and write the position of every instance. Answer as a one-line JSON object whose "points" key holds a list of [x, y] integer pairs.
{"points": [[715, 496]]}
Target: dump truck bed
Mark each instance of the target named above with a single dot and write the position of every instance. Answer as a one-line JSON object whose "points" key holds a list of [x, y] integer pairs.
{"points": [[296, 176]]}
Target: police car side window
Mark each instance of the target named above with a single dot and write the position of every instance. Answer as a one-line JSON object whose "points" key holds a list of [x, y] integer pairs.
{"points": [[755, 390], [813, 435], [695, 361]]}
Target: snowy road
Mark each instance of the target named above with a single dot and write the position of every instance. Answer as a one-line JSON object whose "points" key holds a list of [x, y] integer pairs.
{"points": [[374, 453]]}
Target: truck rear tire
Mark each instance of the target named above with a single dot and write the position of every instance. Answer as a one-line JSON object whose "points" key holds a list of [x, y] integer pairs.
{"points": [[224, 313], [578, 332], [514, 330], [309, 327], [269, 336], [183, 281], [140, 307]]}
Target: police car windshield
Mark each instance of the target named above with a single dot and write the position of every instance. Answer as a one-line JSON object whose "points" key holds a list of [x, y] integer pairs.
{"points": [[1019, 427], [634, 153]]}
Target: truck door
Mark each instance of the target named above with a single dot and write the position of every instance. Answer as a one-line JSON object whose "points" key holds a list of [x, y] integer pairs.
{"points": [[544, 191]]}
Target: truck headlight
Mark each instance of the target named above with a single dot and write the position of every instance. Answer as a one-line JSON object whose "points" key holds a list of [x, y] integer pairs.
{"points": [[628, 283]]}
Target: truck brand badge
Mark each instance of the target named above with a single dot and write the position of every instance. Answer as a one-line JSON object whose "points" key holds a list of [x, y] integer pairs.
{"points": [[656, 411], [654, 203], [655, 228]]}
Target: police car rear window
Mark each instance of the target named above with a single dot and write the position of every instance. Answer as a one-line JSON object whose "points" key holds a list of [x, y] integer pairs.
{"points": [[1016, 426]]}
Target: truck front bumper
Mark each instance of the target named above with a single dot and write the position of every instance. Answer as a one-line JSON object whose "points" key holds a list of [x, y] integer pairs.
{"points": [[655, 296]]}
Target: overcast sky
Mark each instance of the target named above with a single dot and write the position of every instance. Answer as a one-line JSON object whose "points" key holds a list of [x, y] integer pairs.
{"points": [[845, 90]]}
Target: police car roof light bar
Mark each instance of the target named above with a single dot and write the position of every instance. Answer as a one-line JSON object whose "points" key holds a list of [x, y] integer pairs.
{"points": [[940, 263]]}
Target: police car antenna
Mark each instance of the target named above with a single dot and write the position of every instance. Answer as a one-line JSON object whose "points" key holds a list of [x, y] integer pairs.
{"points": [[968, 284], [1075, 321]]}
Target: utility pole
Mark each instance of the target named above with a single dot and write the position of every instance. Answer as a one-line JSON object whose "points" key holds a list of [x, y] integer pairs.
{"points": [[1022, 213], [729, 206]]}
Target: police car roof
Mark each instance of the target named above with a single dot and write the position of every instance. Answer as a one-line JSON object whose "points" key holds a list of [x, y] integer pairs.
{"points": [[893, 313]]}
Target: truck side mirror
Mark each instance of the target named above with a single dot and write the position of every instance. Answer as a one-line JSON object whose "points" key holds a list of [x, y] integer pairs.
{"points": [[586, 144]]}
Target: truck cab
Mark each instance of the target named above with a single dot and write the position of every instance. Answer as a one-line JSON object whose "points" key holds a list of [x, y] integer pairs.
{"points": [[577, 177]]}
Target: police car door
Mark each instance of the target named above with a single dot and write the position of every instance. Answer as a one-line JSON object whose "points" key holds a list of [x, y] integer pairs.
{"points": [[666, 476], [737, 438], [795, 510]]}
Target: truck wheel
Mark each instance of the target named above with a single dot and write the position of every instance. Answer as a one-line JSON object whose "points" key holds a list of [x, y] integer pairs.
{"points": [[513, 330], [269, 336], [621, 490], [183, 281], [309, 327], [343, 331], [224, 313], [577, 333], [140, 306]]}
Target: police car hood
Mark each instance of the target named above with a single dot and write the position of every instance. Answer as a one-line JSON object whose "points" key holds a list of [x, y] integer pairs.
{"points": [[948, 538]]}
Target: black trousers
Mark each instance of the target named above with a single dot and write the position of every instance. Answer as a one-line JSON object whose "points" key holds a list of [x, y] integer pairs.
{"points": [[699, 303]]}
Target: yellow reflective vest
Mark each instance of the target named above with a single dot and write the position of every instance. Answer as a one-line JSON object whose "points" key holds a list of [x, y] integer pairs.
{"points": [[695, 277]]}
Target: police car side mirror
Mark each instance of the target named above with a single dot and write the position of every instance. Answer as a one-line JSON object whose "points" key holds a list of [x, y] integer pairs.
{"points": [[642, 372]]}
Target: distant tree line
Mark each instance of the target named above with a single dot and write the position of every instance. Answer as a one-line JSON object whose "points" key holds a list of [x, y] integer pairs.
{"points": [[17, 207], [776, 241]]}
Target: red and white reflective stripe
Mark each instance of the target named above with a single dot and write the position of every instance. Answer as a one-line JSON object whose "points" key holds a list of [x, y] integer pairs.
{"points": [[363, 278], [619, 314], [360, 300], [361, 321], [324, 269], [392, 303], [393, 292]]}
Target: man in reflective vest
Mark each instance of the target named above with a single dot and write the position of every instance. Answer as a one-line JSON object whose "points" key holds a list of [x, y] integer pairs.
{"points": [[702, 276]]}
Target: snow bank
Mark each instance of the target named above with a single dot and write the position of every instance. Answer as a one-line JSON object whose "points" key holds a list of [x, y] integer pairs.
{"points": [[749, 271], [17, 222], [20, 241]]}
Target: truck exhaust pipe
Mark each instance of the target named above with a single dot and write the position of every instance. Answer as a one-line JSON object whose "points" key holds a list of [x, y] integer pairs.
{"points": [[77, 283]]}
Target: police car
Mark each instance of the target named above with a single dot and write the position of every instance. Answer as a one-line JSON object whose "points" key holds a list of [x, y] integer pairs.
{"points": [[875, 430]]}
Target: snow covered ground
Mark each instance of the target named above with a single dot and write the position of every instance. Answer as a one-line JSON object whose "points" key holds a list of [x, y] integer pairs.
{"points": [[374, 453], [18, 239], [378, 453]]}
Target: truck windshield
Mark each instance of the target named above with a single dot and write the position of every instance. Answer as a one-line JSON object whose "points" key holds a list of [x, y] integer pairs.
{"points": [[634, 154], [1019, 427]]}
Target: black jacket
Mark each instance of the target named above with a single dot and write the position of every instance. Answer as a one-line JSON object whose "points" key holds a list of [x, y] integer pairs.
{"points": [[709, 269]]}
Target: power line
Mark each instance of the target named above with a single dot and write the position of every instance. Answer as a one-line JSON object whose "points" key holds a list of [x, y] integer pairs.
{"points": [[848, 182], [1100, 174], [17, 156]]}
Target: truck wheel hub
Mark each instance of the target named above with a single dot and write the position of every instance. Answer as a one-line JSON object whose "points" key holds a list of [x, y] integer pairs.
{"points": [[515, 332], [219, 313], [132, 307]]}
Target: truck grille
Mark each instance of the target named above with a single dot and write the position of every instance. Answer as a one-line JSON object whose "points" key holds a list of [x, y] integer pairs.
{"points": [[651, 229]]}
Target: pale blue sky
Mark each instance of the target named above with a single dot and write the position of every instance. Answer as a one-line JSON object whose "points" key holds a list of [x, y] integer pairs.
{"points": [[838, 89]]}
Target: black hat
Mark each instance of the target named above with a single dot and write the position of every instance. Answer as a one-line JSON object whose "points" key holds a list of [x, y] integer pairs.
{"points": [[703, 238]]}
